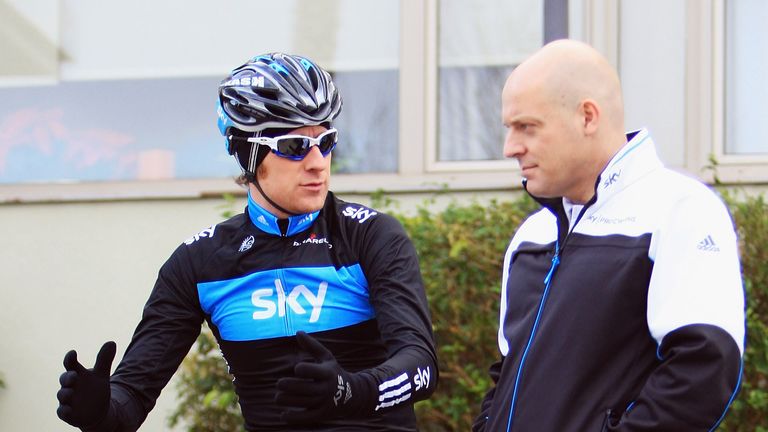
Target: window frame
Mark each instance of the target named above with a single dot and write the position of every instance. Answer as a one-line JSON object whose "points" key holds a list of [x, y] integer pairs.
{"points": [[432, 163], [705, 105]]}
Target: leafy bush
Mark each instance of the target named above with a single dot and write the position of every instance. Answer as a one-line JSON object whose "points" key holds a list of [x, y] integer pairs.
{"points": [[460, 251], [207, 396], [749, 411]]}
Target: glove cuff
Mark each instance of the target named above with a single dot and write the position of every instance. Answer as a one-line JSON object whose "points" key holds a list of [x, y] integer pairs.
{"points": [[356, 394], [108, 423]]}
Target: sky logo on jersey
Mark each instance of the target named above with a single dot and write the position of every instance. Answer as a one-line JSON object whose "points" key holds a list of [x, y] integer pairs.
{"points": [[278, 302], [421, 379], [308, 218], [362, 214], [208, 232], [269, 302]]}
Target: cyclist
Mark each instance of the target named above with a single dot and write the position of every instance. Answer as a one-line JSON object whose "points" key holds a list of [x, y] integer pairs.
{"points": [[317, 304]]}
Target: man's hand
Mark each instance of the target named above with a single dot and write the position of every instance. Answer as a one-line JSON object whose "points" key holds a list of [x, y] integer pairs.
{"points": [[320, 389], [84, 395]]}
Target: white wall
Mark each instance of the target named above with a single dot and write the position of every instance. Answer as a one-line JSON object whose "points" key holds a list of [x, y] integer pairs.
{"points": [[74, 276], [182, 38]]}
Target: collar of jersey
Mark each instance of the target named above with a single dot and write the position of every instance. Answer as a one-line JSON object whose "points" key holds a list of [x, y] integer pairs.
{"points": [[267, 222]]}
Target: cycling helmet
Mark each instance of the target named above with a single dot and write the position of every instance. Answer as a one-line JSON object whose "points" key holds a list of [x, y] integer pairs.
{"points": [[267, 96], [277, 90]]}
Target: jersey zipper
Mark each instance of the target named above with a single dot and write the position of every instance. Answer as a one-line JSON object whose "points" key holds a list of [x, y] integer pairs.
{"points": [[282, 296]]}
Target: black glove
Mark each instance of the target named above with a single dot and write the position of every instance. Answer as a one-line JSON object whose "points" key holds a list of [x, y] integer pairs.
{"points": [[84, 395], [321, 389]]}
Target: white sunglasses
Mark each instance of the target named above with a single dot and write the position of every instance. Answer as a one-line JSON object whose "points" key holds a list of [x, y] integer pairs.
{"points": [[296, 147]]}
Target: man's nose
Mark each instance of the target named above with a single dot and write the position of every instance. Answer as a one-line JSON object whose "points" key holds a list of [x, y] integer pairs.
{"points": [[513, 146], [314, 159]]}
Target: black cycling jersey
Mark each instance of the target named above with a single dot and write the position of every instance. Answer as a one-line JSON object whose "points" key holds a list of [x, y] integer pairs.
{"points": [[347, 274]]}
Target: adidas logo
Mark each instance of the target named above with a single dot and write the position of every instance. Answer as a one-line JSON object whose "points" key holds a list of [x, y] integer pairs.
{"points": [[708, 245]]}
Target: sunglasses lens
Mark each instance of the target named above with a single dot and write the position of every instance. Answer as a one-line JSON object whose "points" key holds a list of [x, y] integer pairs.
{"points": [[327, 142], [298, 147], [294, 147]]}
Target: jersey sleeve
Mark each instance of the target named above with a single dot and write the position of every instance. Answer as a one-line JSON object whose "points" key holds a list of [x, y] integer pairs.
{"points": [[696, 315], [397, 294], [170, 323]]}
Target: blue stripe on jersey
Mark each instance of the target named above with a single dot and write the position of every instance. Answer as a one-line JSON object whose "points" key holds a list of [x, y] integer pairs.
{"points": [[279, 302]]}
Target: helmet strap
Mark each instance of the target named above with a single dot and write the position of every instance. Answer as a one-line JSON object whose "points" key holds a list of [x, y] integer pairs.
{"points": [[255, 156], [269, 200]]}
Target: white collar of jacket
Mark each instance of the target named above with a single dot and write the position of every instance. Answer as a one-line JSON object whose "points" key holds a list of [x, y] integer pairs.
{"points": [[633, 161], [267, 222]]}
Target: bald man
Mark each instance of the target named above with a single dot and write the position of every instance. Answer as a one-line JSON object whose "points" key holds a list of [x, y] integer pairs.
{"points": [[622, 306]]}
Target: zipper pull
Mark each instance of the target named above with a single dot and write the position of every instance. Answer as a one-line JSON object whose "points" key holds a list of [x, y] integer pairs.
{"points": [[555, 263]]}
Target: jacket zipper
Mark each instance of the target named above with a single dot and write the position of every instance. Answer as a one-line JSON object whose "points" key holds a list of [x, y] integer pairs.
{"points": [[547, 283], [606, 420]]}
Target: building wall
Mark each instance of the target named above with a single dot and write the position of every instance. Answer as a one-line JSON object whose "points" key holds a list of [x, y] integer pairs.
{"points": [[75, 275]]}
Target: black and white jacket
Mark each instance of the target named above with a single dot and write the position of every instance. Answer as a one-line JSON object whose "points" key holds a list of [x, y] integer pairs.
{"points": [[624, 314]]}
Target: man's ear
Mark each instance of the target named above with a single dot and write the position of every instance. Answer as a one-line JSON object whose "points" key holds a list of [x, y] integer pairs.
{"points": [[590, 112]]}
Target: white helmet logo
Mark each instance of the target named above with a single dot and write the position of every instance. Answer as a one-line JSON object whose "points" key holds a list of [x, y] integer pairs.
{"points": [[256, 81]]}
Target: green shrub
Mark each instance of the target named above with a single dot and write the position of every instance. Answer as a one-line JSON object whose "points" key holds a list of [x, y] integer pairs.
{"points": [[749, 411], [207, 400], [460, 251]]}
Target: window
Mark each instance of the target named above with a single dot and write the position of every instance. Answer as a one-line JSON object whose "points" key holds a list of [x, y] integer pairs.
{"points": [[104, 102], [480, 42], [368, 124], [111, 130], [746, 71]]}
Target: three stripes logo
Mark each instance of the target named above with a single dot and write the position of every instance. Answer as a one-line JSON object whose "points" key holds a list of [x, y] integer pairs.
{"points": [[708, 245], [394, 391]]}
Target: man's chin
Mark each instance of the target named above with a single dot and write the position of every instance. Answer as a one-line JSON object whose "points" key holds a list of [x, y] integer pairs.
{"points": [[539, 192], [311, 205]]}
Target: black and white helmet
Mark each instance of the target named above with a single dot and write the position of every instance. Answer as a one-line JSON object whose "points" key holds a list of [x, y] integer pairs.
{"points": [[277, 90]]}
